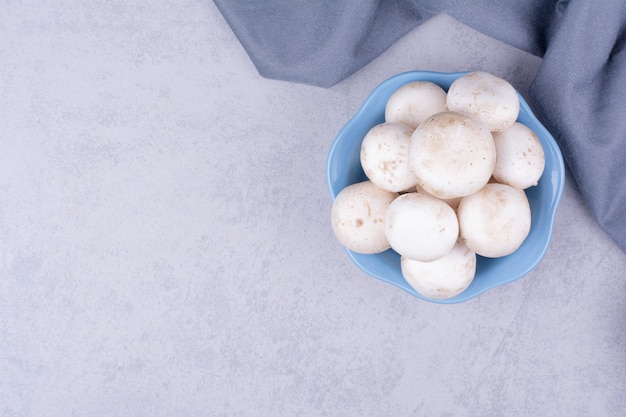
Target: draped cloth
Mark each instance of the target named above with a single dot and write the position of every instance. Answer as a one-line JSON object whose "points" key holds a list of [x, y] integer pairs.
{"points": [[579, 91]]}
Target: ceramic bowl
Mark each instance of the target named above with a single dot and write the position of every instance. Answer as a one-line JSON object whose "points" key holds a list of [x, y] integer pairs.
{"points": [[344, 168]]}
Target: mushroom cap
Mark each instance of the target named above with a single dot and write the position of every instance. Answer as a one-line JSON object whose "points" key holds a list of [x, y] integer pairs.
{"points": [[452, 155], [385, 156], [421, 227], [443, 278], [487, 97], [414, 102], [520, 159], [358, 217], [494, 221]]}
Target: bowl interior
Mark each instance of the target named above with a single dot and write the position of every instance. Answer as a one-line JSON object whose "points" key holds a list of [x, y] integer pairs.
{"points": [[344, 168]]}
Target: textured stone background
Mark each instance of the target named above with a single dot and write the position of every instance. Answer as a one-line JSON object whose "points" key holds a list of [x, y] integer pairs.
{"points": [[165, 247]]}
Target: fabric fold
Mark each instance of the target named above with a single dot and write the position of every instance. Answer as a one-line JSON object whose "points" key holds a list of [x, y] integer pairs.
{"points": [[316, 42], [579, 93]]}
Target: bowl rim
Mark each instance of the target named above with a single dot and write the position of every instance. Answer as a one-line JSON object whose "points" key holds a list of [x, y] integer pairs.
{"points": [[444, 79]]}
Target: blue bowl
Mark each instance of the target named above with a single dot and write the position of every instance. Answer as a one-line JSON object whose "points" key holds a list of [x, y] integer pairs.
{"points": [[343, 168]]}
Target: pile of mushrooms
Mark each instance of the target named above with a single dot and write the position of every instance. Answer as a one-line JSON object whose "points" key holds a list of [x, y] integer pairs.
{"points": [[446, 174]]}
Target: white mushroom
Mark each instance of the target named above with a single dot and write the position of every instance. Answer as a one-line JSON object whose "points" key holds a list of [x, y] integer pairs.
{"points": [[421, 227], [520, 159], [485, 96], [385, 156], [358, 217], [494, 221], [452, 155], [414, 102], [443, 278]]}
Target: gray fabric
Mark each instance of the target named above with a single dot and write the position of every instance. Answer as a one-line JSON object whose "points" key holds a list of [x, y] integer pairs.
{"points": [[580, 93], [578, 90]]}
